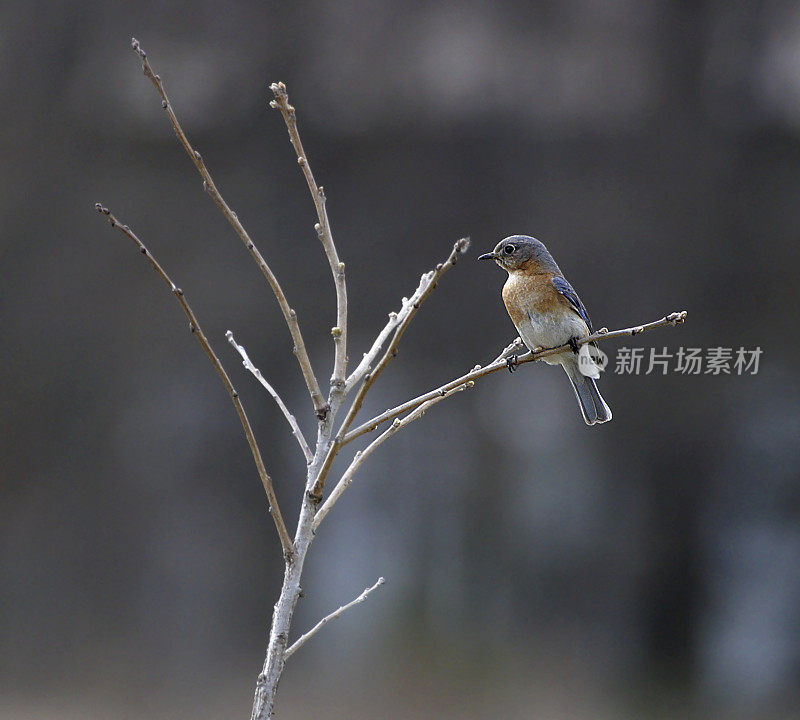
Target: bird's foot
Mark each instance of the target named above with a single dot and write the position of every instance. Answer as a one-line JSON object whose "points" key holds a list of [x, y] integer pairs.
{"points": [[511, 362], [573, 343]]}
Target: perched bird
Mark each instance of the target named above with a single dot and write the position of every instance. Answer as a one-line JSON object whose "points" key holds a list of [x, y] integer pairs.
{"points": [[547, 313]]}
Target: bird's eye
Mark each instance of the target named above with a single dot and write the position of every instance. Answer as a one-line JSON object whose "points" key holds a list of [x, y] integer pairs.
{"points": [[509, 249]]}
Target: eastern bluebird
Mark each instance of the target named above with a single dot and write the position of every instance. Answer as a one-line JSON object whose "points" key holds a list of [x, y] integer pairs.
{"points": [[547, 313]]}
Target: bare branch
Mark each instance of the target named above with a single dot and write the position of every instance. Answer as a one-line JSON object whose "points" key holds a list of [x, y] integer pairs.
{"points": [[675, 318], [303, 639], [271, 390], [194, 327], [398, 325], [323, 228], [399, 322], [362, 455], [395, 318], [320, 406]]}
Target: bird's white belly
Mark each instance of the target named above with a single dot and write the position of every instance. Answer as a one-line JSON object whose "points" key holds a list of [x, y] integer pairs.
{"points": [[546, 331]]}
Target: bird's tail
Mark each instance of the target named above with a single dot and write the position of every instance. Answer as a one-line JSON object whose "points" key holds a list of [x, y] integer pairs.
{"points": [[593, 407]]}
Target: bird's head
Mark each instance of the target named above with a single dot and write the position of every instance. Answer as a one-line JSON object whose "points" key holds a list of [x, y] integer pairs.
{"points": [[519, 252]]}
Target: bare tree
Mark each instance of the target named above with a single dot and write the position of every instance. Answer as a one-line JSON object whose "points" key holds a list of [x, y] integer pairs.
{"points": [[331, 438]]}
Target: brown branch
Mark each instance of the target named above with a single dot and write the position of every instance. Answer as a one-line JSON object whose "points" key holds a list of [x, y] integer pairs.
{"points": [[320, 406], [399, 324], [675, 318], [323, 228], [194, 327]]}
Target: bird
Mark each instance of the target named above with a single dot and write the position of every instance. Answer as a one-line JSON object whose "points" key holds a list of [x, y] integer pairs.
{"points": [[547, 312]]}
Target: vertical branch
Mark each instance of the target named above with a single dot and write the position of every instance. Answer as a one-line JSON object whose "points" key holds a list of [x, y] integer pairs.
{"points": [[323, 228], [197, 331], [275, 659], [289, 315]]}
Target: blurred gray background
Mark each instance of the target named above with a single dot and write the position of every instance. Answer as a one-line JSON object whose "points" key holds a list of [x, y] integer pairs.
{"points": [[537, 568]]}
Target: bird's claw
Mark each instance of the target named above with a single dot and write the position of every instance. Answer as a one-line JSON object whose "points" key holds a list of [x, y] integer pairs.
{"points": [[573, 343], [511, 362]]}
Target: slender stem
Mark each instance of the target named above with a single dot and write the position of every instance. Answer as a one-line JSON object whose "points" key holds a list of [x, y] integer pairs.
{"points": [[398, 325], [409, 305], [320, 406], [675, 318], [323, 228], [197, 331], [303, 639], [296, 431], [427, 286]]}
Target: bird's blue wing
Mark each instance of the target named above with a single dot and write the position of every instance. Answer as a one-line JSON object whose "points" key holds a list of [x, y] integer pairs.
{"points": [[565, 289]]}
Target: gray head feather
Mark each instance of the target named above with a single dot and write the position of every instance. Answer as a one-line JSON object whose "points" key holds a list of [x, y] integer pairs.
{"points": [[514, 251]]}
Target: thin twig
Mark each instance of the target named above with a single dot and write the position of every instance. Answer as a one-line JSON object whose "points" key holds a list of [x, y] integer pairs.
{"points": [[194, 327], [323, 228], [426, 287], [303, 639], [409, 304], [320, 405], [296, 431], [398, 325], [362, 455], [675, 318]]}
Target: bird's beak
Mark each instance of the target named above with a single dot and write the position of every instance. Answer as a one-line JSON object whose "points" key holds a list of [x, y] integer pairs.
{"points": [[487, 256]]}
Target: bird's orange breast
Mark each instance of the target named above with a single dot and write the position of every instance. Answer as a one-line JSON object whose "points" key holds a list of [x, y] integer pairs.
{"points": [[525, 294]]}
